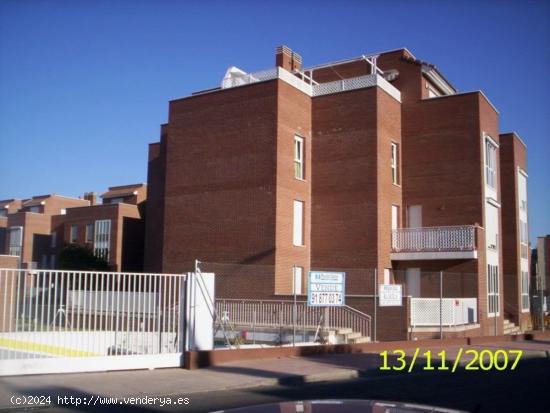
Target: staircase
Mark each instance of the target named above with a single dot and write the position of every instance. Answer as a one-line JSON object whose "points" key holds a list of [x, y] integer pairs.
{"points": [[342, 324], [349, 336], [510, 328]]}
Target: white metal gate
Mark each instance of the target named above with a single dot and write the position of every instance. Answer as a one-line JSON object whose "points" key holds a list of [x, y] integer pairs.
{"points": [[71, 321]]}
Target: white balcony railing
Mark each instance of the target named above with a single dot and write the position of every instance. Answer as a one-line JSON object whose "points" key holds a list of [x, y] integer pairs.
{"points": [[307, 85], [429, 239], [425, 312]]}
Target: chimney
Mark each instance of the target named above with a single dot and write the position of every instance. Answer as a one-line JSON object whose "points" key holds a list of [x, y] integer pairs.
{"points": [[287, 59], [90, 196]]}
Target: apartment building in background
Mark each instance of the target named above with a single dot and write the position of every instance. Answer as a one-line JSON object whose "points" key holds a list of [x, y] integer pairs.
{"points": [[37, 229], [376, 162], [542, 269], [515, 230], [28, 227]]}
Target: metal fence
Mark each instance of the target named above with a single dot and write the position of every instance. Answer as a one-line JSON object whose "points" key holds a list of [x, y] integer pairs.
{"points": [[293, 315], [51, 314], [448, 312]]}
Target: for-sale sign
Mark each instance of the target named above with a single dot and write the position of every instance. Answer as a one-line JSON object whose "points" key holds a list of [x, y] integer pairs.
{"points": [[326, 289], [390, 295]]}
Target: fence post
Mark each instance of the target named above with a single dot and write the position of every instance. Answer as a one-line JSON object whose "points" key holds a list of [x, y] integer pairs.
{"points": [[294, 306], [254, 327], [440, 305], [541, 294], [375, 303], [304, 324], [326, 325]]}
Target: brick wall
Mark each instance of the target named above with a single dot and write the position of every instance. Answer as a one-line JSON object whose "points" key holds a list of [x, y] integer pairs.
{"points": [[512, 156], [154, 217], [293, 118], [32, 224], [220, 195], [344, 188]]}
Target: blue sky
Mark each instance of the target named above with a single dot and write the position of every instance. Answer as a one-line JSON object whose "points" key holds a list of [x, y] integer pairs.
{"points": [[84, 85]]}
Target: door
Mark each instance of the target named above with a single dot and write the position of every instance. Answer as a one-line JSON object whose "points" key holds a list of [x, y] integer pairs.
{"points": [[413, 282], [414, 216]]}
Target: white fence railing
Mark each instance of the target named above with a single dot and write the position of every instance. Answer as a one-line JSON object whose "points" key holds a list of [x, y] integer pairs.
{"points": [[53, 313], [308, 86], [277, 313], [344, 85], [452, 238], [426, 312]]}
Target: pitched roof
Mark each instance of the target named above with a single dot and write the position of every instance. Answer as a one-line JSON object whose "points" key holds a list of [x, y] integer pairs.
{"points": [[6, 202], [35, 200], [122, 191]]}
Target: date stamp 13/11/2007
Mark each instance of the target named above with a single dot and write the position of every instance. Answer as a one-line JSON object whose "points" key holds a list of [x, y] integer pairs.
{"points": [[469, 360]]}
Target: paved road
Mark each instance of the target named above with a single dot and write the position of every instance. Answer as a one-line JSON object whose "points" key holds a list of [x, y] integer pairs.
{"points": [[524, 390]]}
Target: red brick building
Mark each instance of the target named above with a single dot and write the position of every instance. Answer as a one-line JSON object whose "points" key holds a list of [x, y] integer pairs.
{"points": [[515, 232], [373, 163], [28, 226], [37, 229]]}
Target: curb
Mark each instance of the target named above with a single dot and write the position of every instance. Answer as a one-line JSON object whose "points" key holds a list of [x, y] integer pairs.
{"points": [[301, 380]]}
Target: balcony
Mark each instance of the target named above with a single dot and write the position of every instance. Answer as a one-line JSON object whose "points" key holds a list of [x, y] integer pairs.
{"points": [[434, 243]]}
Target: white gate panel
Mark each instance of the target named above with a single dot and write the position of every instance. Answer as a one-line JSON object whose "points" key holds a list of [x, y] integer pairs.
{"points": [[75, 321]]}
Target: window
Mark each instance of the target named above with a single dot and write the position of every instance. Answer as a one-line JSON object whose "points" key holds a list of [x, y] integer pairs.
{"points": [[15, 238], [52, 262], [298, 157], [298, 224], [394, 225], [394, 216], [74, 234], [523, 238], [3, 212], [54, 239], [491, 227], [297, 273], [523, 232], [35, 209], [525, 290], [89, 232], [394, 163], [522, 190], [491, 164], [118, 200], [102, 238], [493, 298]]}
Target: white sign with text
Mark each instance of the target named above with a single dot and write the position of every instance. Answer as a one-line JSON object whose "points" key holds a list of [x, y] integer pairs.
{"points": [[390, 295]]}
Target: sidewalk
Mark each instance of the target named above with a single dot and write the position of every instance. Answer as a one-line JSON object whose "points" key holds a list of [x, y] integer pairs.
{"points": [[251, 373]]}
